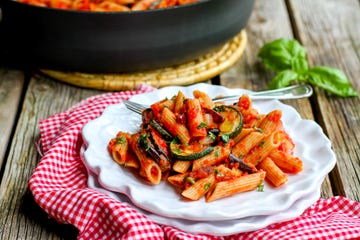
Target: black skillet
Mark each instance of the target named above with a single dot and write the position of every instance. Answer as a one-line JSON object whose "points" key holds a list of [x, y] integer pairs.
{"points": [[116, 42]]}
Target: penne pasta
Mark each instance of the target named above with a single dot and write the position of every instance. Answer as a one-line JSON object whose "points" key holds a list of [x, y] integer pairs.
{"points": [[267, 145], [196, 122], [179, 103], [121, 152], [250, 115], [286, 161], [244, 132], [203, 150], [142, 5], [148, 168], [271, 122], [118, 147], [158, 107], [199, 188], [287, 144], [219, 154], [168, 119], [108, 5], [131, 160], [241, 184], [166, 3], [250, 141], [224, 173], [273, 172], [181, 166], [177, 180], [205, 100], [245, 104]]}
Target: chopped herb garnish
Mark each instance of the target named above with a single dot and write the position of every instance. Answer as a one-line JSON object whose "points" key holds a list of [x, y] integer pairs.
{"points": [[202, 125], [217, 152], [218, 173], [120, 140], [144, 143], [241, 156], [190, 179], [211, 135], [259, 129], [261, 144], [207, 186], [219, 108], [225, 138], [260, 188], [176, 139]]}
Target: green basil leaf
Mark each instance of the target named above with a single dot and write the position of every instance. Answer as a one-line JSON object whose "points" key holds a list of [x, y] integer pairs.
{"points": [[283, 79], [300, 64], [332, 80], [283, 54]]}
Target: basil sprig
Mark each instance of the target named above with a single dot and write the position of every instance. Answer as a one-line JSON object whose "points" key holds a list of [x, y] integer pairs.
{"points": [[288, 58]]}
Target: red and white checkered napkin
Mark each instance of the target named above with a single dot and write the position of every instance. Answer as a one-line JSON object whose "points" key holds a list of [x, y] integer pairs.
{"points": [[59, 186]]}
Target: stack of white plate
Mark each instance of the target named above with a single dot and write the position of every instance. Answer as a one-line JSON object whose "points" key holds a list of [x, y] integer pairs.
{"points": [[239, 213]]}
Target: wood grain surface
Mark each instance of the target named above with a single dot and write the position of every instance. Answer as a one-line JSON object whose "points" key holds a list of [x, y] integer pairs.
{"points": [[43, 98], [11, 86], [329, 30]]}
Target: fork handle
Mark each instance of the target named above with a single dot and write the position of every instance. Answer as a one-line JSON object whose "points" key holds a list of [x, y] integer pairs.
{"points": [[291, 92]]}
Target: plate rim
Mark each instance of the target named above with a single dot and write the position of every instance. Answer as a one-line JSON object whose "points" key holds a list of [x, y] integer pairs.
{"points": [[100, 172]]}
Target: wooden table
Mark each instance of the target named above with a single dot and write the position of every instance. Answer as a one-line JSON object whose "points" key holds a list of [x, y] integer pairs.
{"points": [[330, 31]]}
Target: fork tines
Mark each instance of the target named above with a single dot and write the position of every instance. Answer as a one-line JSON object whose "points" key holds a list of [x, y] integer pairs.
{"points": [[135, 107]]}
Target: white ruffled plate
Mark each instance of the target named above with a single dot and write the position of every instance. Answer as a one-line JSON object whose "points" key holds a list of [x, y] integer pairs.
{"points": [[216, 228], [312, 146]]}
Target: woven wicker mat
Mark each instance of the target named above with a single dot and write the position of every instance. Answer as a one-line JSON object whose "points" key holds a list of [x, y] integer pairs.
{"points": [[198, 70]]}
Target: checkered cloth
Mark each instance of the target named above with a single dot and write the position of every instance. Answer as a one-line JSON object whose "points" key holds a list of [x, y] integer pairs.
{"points": [[59, 186]]}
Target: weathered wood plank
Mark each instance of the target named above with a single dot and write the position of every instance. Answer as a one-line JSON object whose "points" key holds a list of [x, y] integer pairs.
{"points": [[268, 22], [329, 29], [21, 217], [11, 86]]}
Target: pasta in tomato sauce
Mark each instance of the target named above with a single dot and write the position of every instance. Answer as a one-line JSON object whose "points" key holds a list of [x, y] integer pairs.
{"points": [[208, 149], [107, 5]]}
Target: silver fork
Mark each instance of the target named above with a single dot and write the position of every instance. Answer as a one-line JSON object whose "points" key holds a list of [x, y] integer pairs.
{"points": [[135, 107], [291, 92]]}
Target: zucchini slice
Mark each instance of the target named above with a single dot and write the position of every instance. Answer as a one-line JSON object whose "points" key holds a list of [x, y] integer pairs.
{"points": [[165, 134], [233, 120], [189, 151]]}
